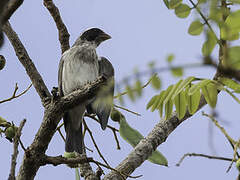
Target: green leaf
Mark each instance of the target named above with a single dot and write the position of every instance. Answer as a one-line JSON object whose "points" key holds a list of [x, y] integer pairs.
{"points": [[174, 3], [182, 11], [152, 101], [181, 104], [156, 82], [229, 34], [209, 44], [130, 93], [166, 3], [172, 91], [158, 158], [121, 101], [210, 94], [177, 72], [193, 101], [234, 1], [158, 101], [201, 1], [133, 137], [183, 84], [233, 22], [77, 175], [138, 87], [170, 58], [115, 115], [195, 28], [168, 109], [234, 57], [231, 27], [2, 120], [230, 83], [198, 86], [164, 96]]}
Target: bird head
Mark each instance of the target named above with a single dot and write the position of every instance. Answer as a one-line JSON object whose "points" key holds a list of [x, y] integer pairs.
{"points": [[95, 36]]}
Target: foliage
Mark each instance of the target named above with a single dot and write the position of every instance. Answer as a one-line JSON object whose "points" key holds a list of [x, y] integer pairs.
{"points": [[133, 137], [186, 94]]}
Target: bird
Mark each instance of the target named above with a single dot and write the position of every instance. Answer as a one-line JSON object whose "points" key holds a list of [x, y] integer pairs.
{"points": [[78, 66], [102, 104]]}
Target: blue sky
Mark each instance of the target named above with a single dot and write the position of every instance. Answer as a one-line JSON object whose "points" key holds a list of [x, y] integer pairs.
{"points": [[141, 31]]}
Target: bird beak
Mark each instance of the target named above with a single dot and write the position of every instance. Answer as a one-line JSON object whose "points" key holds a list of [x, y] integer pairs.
{"points": [[104, 37]]}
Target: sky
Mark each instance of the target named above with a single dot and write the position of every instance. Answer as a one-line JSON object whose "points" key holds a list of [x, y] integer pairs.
{"points": [[142, 31]]}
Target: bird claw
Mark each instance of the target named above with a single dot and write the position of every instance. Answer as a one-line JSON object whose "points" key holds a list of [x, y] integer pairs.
{"points": [[55, 93]]}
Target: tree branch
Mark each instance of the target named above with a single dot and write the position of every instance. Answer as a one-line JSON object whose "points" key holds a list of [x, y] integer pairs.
{"points": [[53, 113], [14, 93], [58, 160], [202, 155], [24, 58], [10, 8], [62, 29], [15, 150], [149, 144]]}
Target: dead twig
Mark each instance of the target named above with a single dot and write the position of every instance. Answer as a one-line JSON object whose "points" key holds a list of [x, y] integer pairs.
{"points": [[114, 130], [202, 155], [94, 142], [230, 140], [235, 153], [28, 64], [124, 93], [15, 92], [125, 109]]}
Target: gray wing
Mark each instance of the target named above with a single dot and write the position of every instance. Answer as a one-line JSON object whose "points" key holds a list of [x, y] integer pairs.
{"points": [[60, 69], [103, 103]]}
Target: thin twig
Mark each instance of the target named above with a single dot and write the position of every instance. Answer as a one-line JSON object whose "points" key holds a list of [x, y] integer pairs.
{"points": [[21, 144], [205, 20], [28, 64], [15, 150], [114, 130], [125, 109], [95, 119], [124, 93], [161, 70], [231, 141], [116, 139], [235, 153], [202, 155], [60, 132], [14, 93], [94, 142]]}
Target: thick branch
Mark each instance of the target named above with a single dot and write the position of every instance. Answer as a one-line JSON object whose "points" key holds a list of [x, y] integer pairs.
{"points": [[58, 160], [24, 58], [149, 144], [62, 29], [10, 8], [53, 113]]}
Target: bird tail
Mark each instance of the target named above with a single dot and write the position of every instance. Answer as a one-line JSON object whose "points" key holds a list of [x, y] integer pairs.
{"points": [[73, 127]]}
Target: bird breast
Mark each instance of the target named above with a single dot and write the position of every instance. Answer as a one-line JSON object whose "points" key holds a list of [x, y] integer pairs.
{"points": [[80, 67]]}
